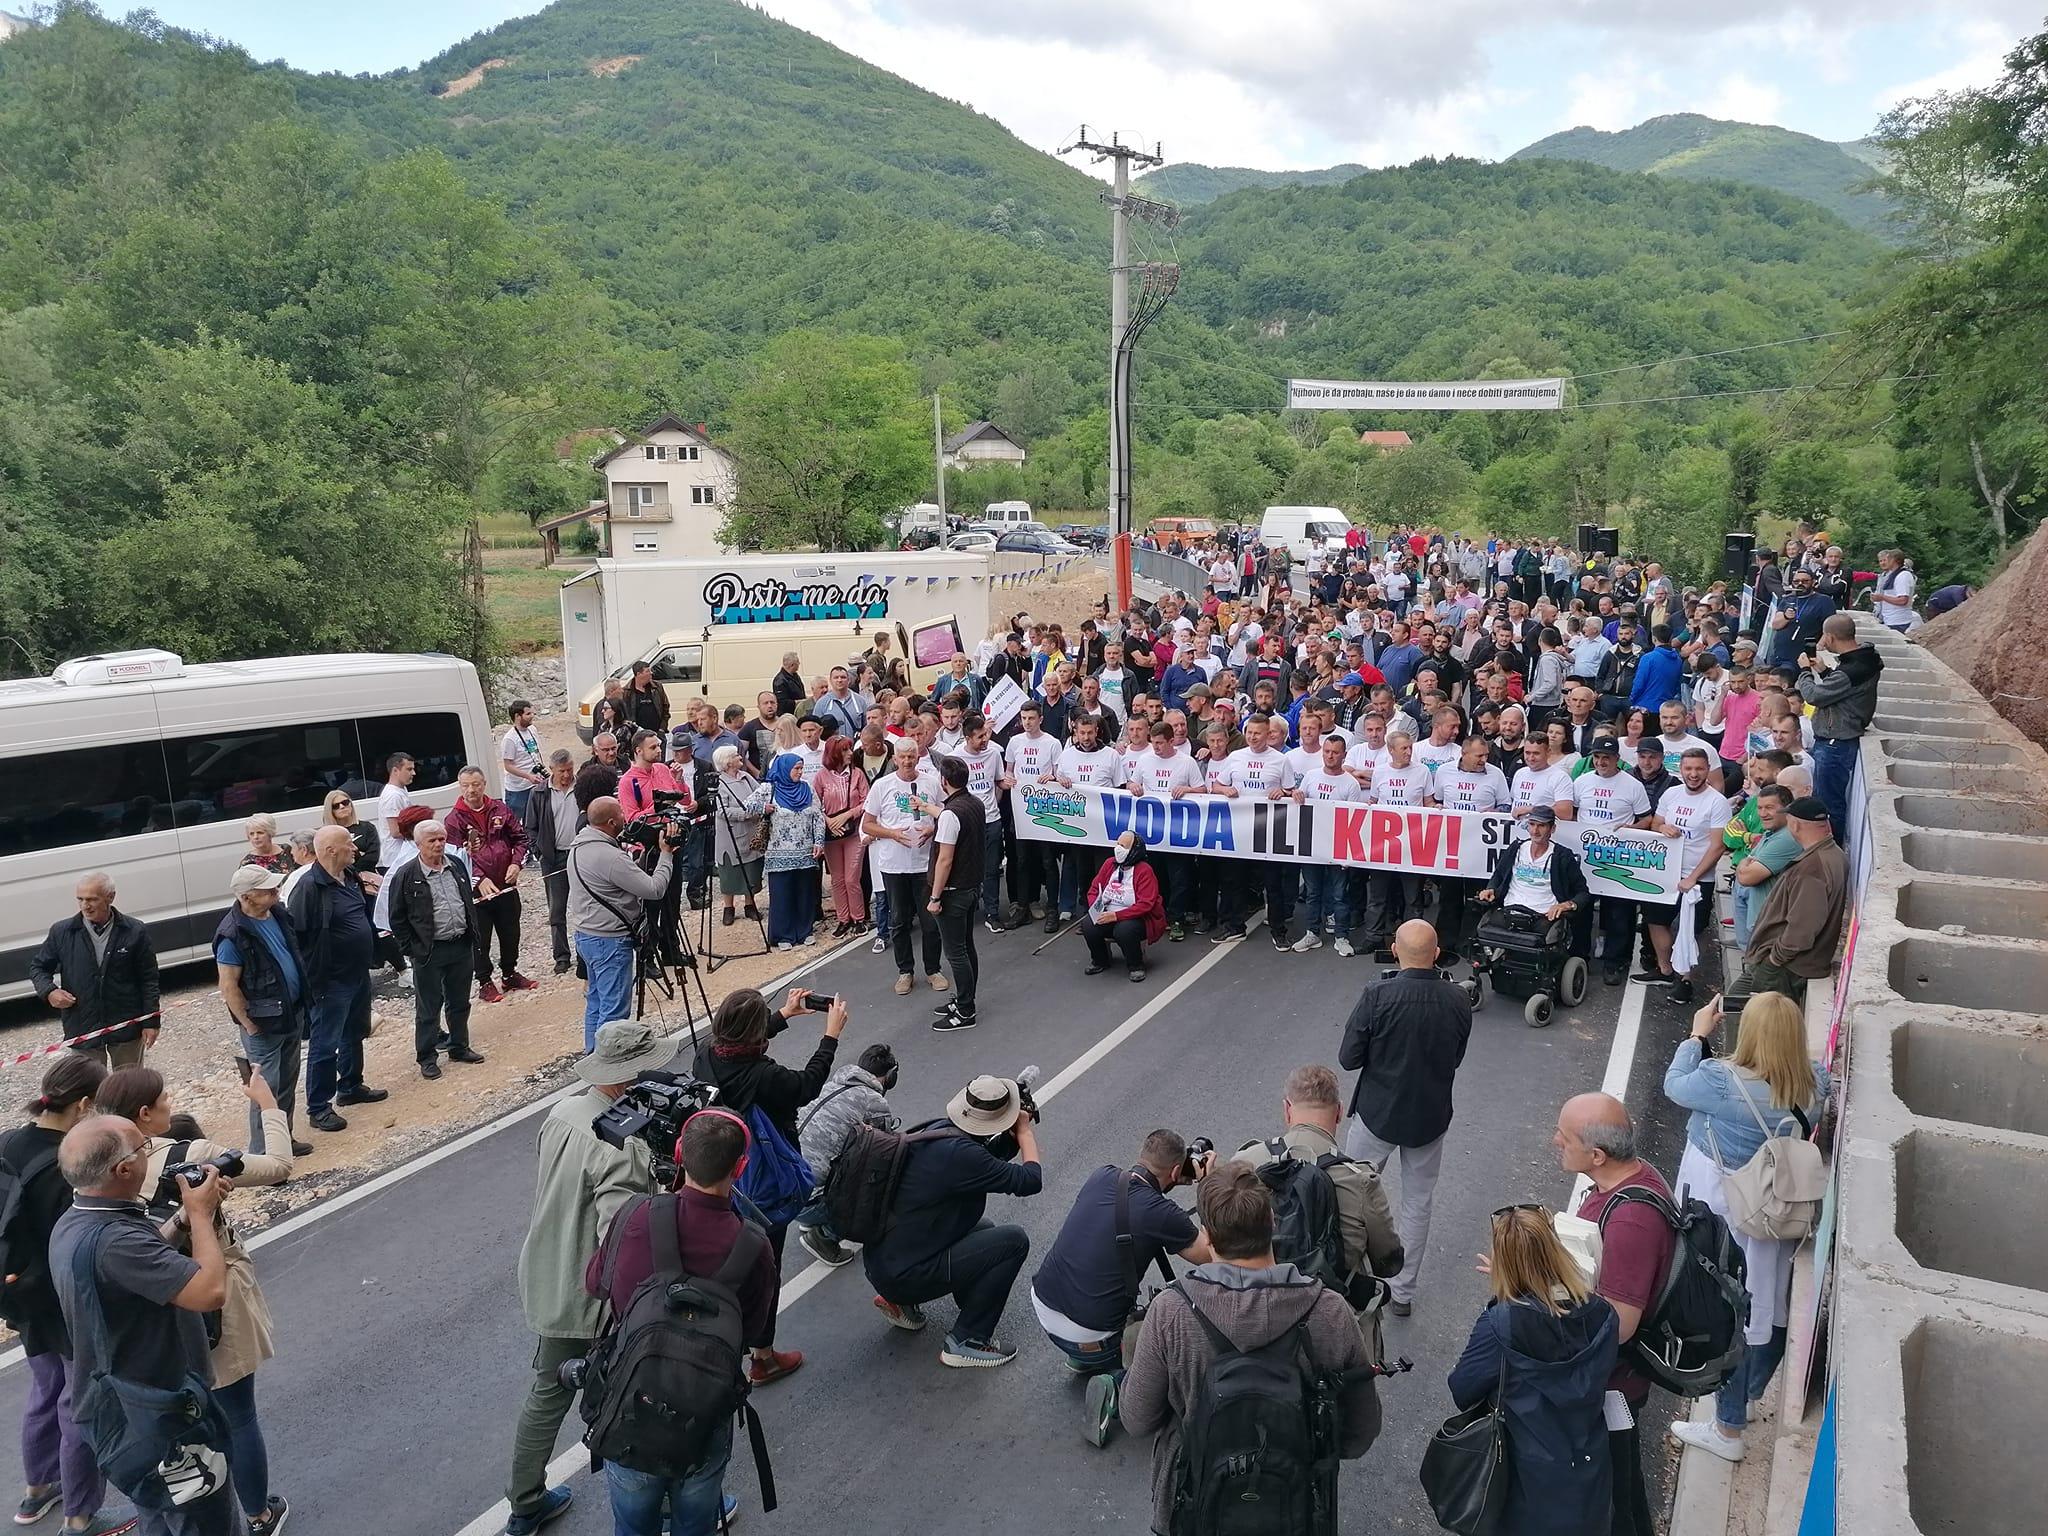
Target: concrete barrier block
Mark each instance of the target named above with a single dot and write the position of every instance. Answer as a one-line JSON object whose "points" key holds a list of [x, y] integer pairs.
{"points": [[1984, 976], [1974, 909], [1965, 779], [1958, 813], [1964, 726], [1971, 1074], [1987, 754], [1990, 858]]}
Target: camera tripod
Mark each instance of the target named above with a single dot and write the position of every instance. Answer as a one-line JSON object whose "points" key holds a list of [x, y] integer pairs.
{"points": [[707, 924]]}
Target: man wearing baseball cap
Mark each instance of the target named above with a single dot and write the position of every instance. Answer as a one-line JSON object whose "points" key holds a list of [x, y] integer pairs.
{"points": [[1607, 797], [941, 1244], [583, 1183], [265, 983], [1794, 937]]}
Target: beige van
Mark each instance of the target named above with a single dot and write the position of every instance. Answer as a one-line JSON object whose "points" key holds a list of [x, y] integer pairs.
{"points": [[732, 663]]}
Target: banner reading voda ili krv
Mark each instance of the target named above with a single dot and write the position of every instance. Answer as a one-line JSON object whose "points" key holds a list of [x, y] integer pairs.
{"points": [[1464, 844]]}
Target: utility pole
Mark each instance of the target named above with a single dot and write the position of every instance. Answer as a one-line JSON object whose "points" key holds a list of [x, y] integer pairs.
{"points": [[1122, 208], [939, 459]]}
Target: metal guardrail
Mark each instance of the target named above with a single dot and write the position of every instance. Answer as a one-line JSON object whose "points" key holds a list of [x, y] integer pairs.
{"points": [[1169, 570]]}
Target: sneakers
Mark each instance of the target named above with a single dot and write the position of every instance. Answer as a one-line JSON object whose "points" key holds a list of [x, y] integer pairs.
{"points": [[1280, 940], [826, 1250], [275, 1513], [908, 1316], [778, 1364], [1398, 1308], [728, 1512], [1176, 931], [1020, 916], [552, 1504], [1708, 1438], [489, 993], [514, 982], [1681, 989], [34, 1506], [1305, 943], [1343, 947], [975, 1354], [326, 1120], [903, 984], [878, 943], [1092, 969], [1225, 934], [939, 983], [1138, 973], [993, 926], [953, 1019], [1650, 976], [1100, 1398], [1611, 977], [1052, 921]]}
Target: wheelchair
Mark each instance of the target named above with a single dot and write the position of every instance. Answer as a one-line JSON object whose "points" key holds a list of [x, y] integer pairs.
{"points": [[1524, 954]]}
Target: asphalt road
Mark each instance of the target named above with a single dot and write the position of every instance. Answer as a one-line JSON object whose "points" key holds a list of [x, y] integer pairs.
{"points": [[402, 1353]]}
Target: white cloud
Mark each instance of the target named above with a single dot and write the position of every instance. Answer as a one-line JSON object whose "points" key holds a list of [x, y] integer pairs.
{"points": [[1745, 100], [1986, 45], [1605, 101]]}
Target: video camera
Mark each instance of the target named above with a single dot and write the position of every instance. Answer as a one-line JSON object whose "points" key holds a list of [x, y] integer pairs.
{"points": [[1003, 1145], [668, 819], [654, 1111]]}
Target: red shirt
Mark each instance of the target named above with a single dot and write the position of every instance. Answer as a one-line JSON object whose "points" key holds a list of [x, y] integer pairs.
{"points": [[1635, 1256], [706, 1227]]}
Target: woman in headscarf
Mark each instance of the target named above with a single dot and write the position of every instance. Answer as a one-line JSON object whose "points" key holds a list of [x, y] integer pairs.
{"points": [[1123, 907], [737, 834], [796, 841], [842, 791]]}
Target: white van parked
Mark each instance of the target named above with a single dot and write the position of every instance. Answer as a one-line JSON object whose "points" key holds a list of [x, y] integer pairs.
{"points": [[1008, 513], [139, 765], [1303, 529]]}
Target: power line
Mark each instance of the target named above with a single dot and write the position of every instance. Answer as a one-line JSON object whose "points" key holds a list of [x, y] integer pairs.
{"points": [[1693, 357], [1594, 405]]}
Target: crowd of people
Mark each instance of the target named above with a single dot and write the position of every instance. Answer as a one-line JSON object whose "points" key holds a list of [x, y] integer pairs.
{"points": [[1423, 671]]}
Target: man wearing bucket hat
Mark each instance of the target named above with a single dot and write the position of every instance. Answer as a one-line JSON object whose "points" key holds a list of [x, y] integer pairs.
{"points": [[583, 1183], [941, 1244]]}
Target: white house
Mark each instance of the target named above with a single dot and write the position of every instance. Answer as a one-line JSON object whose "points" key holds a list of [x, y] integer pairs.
{"points": [[667, 488], [982, 442]]}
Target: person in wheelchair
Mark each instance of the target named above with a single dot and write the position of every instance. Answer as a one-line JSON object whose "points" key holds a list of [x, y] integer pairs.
{"points": [[1535, 936]]}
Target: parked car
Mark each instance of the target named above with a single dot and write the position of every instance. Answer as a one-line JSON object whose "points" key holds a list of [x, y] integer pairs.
{"points": [[1087, 535], [977, 541], [1176, 533], [1036, 541]]}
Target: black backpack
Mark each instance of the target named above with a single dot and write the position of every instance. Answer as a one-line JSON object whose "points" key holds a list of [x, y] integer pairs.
{"points": [[860, 1189], [1258, 1445], [20, 1253], [671, 1371], [1690, 1340], [1306, 1231]]}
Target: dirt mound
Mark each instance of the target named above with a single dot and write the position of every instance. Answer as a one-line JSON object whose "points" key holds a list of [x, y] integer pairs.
{"points": [[1997, 639], [474, 78], [604, 67]]}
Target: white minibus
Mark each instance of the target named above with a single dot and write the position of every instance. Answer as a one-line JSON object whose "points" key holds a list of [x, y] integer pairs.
{"points": [[140, 765]]}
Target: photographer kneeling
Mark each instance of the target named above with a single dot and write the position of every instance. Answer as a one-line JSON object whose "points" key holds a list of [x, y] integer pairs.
{"points": [[240, 1337], [1087, 1291], [584, 1182], [608, 895], [940, 1243]]}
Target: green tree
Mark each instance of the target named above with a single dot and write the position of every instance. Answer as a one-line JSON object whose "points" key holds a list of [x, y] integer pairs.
{"points": [[829, 432], [1031, 404], [1807, 482], [1424, 483], [1686, 511]]}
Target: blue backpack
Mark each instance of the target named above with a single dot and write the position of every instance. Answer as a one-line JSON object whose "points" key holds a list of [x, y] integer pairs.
{"points": [[776, 1179]]}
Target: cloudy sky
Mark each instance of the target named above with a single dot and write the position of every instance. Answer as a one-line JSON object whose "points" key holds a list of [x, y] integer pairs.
{"points": [[1297, 83]]}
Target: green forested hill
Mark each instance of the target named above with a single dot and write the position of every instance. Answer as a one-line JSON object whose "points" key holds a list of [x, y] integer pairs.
{"points": [[1695, 148], [1192, 185]]}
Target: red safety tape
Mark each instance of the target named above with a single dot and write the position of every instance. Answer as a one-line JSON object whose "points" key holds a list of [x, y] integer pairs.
{"points": [[92, 1034]]}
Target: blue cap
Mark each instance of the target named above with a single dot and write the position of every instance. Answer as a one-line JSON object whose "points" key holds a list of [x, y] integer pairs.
{"points": [[1351, 680]]}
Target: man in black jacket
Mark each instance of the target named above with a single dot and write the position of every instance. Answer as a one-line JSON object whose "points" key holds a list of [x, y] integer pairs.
{"points": [[99, 968], [1406, 1038], [265, 985], [1539, 875], [339, 943], [433, 920], [552, 817], [940, 1243]]}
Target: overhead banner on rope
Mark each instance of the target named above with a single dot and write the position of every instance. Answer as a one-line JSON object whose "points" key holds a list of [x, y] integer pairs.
{"points": [[1642, 866], [1469, 395]]}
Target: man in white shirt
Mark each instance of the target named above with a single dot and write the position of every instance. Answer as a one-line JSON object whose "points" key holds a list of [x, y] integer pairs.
{"points": [[1033, 757], [1369, 750], [1443, 746], [1892, 597], [1255, 772], [1604, 796], [1470, 784], [391, 802], [1113, 679], [1675, 739], [519, 753], [1168, 774], [1137, 743], [1084, 763], [901, 833], [1394, 896], [1304, 759], [952, 737], [1696, 811], [1328, 886], [1538, 781]]}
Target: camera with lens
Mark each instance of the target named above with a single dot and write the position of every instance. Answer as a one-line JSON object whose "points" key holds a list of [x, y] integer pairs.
{"points": [[1199, 1147], [669, 819], [227, 1164], [1003, 1144], [654, 1111]]}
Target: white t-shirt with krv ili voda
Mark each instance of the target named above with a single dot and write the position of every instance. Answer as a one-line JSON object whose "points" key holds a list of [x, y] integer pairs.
{"points": [[1253, 773], [1400, 786], [1698, 814], [891, 802], [1321, 787], [1460, 789], [1156, 775], [1603, 802]]}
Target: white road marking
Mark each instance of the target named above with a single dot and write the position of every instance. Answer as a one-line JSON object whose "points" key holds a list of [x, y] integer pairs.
{"points": [[1621, 1062], [492, 1521]]}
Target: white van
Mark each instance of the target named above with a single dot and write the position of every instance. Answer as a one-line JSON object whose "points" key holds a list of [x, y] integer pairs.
{"points": [[139, 765], [733, 663], [1008, 513], [1302, 529]]}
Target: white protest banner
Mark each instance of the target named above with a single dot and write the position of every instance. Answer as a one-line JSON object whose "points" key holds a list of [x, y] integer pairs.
{"points": [[1465, 844], [1451, 395], [1001, 703]]}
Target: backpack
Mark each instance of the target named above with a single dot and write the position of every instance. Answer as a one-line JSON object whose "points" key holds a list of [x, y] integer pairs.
{"points": [[860, 1189], [670, 1372], [1777, 1193], [776, 1179], [1258, 1445], [18, 1255], [1306, 1231], [1690, 1339]]}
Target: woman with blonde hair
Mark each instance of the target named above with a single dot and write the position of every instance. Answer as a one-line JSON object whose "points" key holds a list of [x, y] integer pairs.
{"points": [[265, 851], [1542, 1352], [1768, 1083]]}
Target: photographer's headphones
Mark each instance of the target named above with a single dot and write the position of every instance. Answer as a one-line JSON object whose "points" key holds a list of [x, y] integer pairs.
{"points": [[746, 1134]]}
